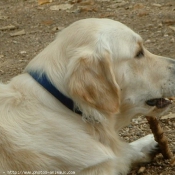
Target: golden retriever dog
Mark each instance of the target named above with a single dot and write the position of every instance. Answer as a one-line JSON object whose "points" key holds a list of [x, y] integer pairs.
{"points": [[63, 113]]}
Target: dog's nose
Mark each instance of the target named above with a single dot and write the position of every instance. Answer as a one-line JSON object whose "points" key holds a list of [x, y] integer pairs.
{"points": [[151, 102]]}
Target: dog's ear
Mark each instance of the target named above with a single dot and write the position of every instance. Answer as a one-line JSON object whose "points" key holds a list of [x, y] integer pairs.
{"points": [[92, 81]]}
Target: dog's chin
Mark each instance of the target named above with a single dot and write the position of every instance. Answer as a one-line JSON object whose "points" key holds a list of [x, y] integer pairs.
{"points": [[159, 103]]}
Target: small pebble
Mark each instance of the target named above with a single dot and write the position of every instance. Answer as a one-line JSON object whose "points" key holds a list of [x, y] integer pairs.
{"points": [[166, 35], [148, 41], [141, 170], [23, 52], [156, 5], [1, 56], [21, 32]]}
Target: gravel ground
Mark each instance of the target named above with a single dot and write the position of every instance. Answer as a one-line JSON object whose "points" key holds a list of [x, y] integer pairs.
{"points": [[27, 27]]}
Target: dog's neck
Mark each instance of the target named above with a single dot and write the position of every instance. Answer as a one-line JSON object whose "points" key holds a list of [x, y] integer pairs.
{"points": [[46, 83], [88, 114]]}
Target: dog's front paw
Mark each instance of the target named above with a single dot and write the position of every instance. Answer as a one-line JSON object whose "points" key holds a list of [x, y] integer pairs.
{"points": [[146, 148]]}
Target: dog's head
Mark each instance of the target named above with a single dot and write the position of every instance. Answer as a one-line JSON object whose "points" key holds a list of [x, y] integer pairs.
{"points": [[105, 68]]}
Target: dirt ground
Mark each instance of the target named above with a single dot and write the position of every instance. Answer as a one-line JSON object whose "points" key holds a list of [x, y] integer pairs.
{"points": [[27, 27]]}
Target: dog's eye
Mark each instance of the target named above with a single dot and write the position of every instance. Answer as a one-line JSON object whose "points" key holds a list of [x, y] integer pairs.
{"points": [[140, 54]]}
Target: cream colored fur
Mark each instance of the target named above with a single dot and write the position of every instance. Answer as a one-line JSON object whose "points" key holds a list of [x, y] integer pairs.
{"points": [[94, 62]]}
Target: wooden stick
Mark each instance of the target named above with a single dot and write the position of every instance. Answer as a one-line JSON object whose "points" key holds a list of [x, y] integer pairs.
{"points": [[160, 137]]}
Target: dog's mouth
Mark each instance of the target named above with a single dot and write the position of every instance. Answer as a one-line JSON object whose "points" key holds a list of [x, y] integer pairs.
{"points": [[159, 102]]}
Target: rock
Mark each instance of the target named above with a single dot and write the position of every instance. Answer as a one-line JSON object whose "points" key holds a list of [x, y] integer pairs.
{"points": [[172, 40], [150, 26], [166, 35], [169, 116], [15, 42], [61, 7], [41, 2], [156, 5], [148, 41], [170, 123], [137, 120], [141, 170], [160, 25], [21, 32], [10, 27], [23, 53], [1, 56], [1, 72], [172, 28]]}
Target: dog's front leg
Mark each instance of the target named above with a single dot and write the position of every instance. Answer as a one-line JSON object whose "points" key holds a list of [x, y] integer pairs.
{"points": [[144, 149], [139, 151]]}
